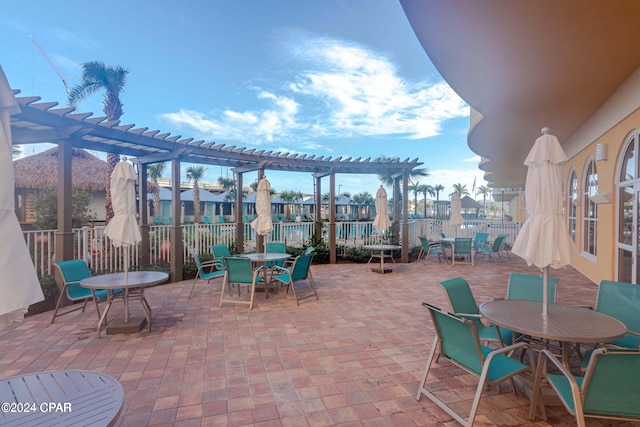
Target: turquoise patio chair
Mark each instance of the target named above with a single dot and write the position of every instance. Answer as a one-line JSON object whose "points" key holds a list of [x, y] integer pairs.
{"points": [[463, 247], [529, 287], [502, 251], [622, 301], [206, 219], [275, 248], [458, 341], [493, 249], [427, 248], [72, 272], [206, 270], [479, 240], [608, 389], [463, 303], [220, 250], [300, 270], [238, 272]]}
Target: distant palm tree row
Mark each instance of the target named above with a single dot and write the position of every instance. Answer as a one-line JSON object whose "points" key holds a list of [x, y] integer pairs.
{"points": [[290, 197]]}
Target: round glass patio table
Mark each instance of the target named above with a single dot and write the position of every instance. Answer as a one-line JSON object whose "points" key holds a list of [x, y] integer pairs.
{"points": [[71, 397], [382, 256], [262, 259], [132, 283]]}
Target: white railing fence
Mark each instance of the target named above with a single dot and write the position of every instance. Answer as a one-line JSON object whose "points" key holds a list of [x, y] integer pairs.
{"points": [[94, 247]]}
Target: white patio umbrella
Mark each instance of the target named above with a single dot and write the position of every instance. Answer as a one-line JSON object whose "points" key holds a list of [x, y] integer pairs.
{"points": [[262, 224], [19, 287], [123, 228], [544, 240], [456, 219], [381, 222]]}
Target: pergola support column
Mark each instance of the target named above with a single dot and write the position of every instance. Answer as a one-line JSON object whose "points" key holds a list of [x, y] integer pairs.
{"points": [[176, 250], [332, 219], [64, 233], [318, 215], [143, 254], [395, 225], [404, 257], [238, 213]]}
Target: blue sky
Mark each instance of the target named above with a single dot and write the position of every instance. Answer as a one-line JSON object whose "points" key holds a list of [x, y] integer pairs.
{"points": [[325, 77]]}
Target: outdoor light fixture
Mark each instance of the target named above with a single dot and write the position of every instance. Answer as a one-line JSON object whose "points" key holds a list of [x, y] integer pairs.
{"points": [[602, 152]]}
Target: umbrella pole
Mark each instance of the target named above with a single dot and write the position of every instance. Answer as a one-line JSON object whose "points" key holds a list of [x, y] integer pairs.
{"points": [[545, 291], [126, 282]]}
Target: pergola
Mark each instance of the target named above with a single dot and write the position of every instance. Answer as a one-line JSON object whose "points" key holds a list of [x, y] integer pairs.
{"points": [[40, 122]]}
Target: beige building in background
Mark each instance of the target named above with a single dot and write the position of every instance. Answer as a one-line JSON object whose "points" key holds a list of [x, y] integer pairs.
{"points": [[573, 66]]}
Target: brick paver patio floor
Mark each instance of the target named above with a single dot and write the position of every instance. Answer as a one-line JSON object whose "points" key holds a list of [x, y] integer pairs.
{"points": [[352, 358]]}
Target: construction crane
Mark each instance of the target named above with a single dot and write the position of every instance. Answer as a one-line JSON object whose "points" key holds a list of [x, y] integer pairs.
{"points": [[42, 51]]}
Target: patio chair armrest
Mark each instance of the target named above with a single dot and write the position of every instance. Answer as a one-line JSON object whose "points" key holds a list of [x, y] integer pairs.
{"points": [[558, 364], [508, 349], [257, 270], [476, 316], [277, 268], [218, 264]]}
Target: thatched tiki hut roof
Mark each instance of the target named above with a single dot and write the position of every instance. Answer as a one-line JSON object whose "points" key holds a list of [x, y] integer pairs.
{"points": [[40, 171]]}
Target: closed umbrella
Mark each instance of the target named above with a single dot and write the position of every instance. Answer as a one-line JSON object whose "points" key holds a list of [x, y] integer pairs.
{"points": [[544, 240], [381, 221], [123, 228], [262, 224], [456, 218], [19, 287]]}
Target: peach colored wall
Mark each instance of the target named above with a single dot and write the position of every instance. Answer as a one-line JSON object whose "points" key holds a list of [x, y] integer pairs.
{"points": [[604, 267]]}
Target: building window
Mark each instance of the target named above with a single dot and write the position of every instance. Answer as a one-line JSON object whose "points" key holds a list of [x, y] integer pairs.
{"points": [[590, 209], [572, 204]]}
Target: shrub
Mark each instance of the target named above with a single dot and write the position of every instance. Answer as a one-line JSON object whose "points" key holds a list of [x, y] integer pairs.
{"points": [[49, 287], [46, 206], [356, 254]]}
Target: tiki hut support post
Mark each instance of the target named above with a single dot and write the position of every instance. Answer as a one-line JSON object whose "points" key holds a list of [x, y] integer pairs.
{"points": [[239, 227], [405, 218], [64, 234], [259, 237], [175, 231], [332, 218], [143, 215], [318, 213]]}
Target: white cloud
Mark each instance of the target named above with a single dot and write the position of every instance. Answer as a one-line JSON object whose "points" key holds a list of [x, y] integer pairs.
{"points": [[340, 90], [474, 159]]}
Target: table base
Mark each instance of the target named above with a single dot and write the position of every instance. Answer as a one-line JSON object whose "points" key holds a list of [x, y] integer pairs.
{"points": [[382, 271], [119, 326]]}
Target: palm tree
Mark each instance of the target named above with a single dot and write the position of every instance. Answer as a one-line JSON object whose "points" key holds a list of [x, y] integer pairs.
{"points": [[155, 172], [362, 199], [415, 187], [387, 179], [426, 189], [227, 183], [195, 174], [438, 188], [15, 151], [460, 188], [97, 76], [290, 197], [486, 192]]}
